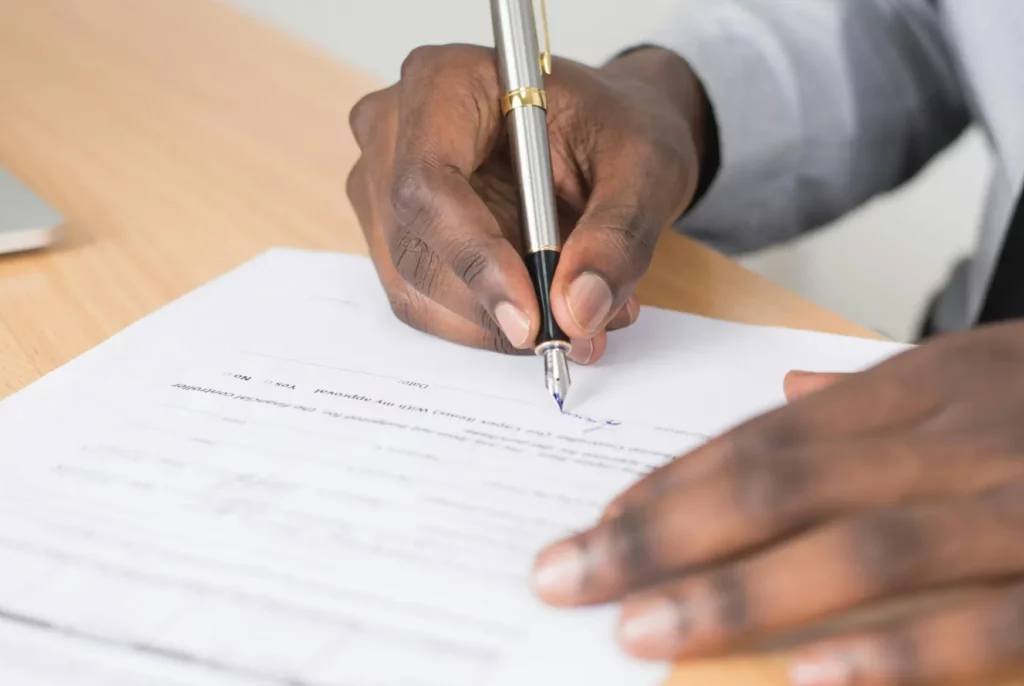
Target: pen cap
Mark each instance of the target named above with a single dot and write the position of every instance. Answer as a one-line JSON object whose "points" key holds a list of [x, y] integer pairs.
{"points": [[515, 39]]}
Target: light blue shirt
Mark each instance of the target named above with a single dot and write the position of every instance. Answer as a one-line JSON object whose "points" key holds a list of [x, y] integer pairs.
{"points": [[822, 104]]}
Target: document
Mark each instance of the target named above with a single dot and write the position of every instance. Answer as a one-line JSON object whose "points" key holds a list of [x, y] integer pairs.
{"points": [[272, 481]]}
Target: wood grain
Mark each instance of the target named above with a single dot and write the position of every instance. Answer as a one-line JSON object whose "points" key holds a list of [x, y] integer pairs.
{"points": [[181, 139]]}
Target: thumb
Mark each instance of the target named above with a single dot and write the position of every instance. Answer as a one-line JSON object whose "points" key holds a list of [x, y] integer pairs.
{"points": [[634, 197], [799, 384]]}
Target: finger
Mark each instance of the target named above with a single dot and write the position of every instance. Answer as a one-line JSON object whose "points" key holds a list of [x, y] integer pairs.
{"points": [[357, 187], [979, 639], [682, 472], [799, 384], [626, 316], [827, 571], [435, 317], [431, 317], [872, 403], [374, 112], [891, 394], [588, 350], [638, 189], [452, 317], [757, 502], [449, 122], [411, 261], [420, 268]]}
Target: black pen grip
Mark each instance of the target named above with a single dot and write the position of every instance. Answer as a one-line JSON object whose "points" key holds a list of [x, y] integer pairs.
{"points": [[541, 265]]}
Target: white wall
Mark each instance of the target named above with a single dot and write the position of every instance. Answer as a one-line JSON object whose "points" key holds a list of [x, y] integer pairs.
{"points": [[876, 267], [375, 35]]}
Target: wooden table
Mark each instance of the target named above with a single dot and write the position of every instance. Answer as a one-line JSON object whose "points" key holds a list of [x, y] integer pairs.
{"points": [[180, 139]]}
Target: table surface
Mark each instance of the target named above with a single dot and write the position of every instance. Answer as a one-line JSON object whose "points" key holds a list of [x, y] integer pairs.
{"points": [[180, 139]]}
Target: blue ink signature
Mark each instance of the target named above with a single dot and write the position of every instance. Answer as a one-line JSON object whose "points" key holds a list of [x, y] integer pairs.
{"points": [[598, 423]]}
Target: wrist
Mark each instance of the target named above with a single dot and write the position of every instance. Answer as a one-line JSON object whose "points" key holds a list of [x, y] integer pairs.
{"points": [[667, 73]]}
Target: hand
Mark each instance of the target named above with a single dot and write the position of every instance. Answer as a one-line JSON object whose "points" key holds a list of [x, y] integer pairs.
{"points": [[873, 485], [436, 196]]}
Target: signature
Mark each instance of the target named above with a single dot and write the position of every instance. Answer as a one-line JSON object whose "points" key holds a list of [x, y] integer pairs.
{"points": [[597, 423]]}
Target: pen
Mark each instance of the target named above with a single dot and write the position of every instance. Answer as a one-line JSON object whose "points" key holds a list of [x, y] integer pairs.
{"points": [[524, 106]]}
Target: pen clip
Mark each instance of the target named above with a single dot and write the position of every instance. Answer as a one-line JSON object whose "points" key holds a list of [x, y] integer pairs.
{"points": [[545, 56]]}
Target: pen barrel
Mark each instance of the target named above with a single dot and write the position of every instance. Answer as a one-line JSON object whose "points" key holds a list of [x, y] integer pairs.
{"points": [[515, 39], [525, 106], [531, 159]]}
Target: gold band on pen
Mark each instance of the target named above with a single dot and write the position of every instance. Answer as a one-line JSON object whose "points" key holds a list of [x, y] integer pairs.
{"points": [[524, 97], [552, 248]]}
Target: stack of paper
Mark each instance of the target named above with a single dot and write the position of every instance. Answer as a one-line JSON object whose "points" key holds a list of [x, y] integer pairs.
{"points": [[273, 481]]}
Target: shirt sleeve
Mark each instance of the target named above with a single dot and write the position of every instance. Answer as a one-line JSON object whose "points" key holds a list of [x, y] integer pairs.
{"points": [[819, 105]]}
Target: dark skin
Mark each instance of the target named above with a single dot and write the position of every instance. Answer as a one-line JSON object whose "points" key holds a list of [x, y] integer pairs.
{"points": [[436, 197], [864, 487]]}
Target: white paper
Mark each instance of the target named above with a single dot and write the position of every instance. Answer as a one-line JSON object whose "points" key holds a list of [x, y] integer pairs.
{"points": [[273, 481]]}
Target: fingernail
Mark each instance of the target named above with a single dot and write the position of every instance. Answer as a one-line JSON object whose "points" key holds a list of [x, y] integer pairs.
{"points": [[822, 670], [590, 300], [654, 627], [559, 573], [513, 323], [582, 351]]}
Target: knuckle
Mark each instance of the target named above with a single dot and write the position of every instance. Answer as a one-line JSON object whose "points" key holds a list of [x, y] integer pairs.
{"points": [[657, 154], [730, 599], [354, 183], [632, 234], [663, 156], [469, 260], [470, 61], [630, 545], [411, 200], [772, 487], [892, 549], [420, 61], [414, 261], [364, 114], [778, 431]]}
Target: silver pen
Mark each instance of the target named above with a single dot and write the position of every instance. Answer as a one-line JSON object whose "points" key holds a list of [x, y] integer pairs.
{"points": [[524, 105]]}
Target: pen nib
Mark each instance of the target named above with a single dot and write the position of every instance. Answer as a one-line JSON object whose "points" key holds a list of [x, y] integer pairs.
{"points": [[556, 374]]}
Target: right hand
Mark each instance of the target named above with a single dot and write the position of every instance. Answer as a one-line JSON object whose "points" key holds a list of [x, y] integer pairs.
{"points": [[436, 196]]}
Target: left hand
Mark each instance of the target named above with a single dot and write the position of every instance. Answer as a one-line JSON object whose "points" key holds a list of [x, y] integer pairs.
{"points": [[865, 486]]}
